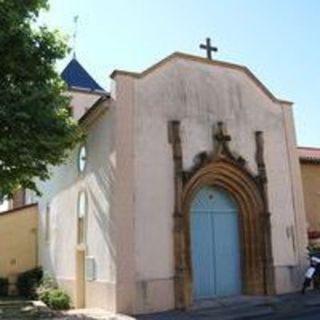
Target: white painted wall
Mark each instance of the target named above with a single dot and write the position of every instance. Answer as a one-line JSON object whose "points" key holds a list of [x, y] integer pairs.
{"points": [[4, 205], [61, 193]]}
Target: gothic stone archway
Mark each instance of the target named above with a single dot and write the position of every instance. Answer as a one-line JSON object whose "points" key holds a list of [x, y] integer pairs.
{"points": [[224, 169]]}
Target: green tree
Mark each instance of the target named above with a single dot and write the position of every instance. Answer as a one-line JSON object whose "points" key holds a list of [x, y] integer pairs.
{"points": [[35, 128]]}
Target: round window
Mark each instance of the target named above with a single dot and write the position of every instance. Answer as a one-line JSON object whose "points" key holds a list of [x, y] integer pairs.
{"points": [[82, 204], [82, 158]]}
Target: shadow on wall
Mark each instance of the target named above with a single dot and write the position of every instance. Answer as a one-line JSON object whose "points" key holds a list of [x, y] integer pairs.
{"points": [[101, 198], [62, 180], [98, 183]]}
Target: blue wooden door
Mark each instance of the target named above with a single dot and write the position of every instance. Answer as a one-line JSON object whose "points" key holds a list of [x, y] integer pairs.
{"points": [[215, 244]]}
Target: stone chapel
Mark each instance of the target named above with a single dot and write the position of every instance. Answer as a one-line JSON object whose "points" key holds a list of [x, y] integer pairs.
{"points": [[188, 187]]}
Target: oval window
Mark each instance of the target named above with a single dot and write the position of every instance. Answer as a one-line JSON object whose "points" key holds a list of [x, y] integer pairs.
{"points": [[82, 158]]}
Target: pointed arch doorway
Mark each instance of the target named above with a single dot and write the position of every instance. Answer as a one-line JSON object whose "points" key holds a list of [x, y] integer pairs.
{"points": [[241, 195], [226, 171], [215, 244]]}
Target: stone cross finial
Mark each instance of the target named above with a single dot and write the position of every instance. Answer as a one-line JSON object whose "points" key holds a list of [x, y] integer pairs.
{"points": [[222, 148], [208, 48], [222, 135], [223, 139]]}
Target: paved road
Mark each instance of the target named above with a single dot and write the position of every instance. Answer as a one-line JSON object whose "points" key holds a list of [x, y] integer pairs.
{"points": [[305, 315], [314, 316], [286, 307]]}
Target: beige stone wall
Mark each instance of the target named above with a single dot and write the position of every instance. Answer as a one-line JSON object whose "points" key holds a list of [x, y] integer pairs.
{"points": [[18, 240], [123, 213], [298, 230], [311, 188], [199, 95], [98, 294]]}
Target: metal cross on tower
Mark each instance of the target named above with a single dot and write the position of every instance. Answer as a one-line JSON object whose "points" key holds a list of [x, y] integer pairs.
{"points": [[208, 48], [74, 36]]}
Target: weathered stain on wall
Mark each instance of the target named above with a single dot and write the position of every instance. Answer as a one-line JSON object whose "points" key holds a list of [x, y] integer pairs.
{"points": [[199, 96]]}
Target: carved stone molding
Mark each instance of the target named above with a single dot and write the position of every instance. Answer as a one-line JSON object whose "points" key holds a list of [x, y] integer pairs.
{"points": [[175, 141], [262, 180], [225, 169], [221, 151]]}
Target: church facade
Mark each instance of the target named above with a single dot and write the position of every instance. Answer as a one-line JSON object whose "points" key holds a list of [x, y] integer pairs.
{"points": [[188, 187]]}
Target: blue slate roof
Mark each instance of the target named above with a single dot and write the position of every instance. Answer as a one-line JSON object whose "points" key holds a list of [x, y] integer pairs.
{"points": [[77, 77]]}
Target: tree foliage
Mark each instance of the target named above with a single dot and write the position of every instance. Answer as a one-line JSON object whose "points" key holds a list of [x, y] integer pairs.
{"points": [[35, 128]]}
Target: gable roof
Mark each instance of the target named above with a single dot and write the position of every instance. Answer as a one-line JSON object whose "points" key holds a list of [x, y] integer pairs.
{"points": [[190, 57], [95, 110], [77, 77], [309, 155]]}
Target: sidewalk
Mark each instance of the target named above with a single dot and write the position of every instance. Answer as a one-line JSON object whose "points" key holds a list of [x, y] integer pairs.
{"points": [[243, 307], [232, 308], [21, 309]]}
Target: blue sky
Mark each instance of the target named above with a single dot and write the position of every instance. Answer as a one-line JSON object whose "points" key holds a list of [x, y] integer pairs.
{"points": [[279, 40]]}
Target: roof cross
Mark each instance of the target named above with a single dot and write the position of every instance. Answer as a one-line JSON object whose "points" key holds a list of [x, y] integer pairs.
{"points": [[208, 48], [75, 34]]}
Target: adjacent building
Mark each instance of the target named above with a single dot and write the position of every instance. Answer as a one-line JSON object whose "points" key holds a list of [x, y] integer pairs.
{"points": [[310, 170]]}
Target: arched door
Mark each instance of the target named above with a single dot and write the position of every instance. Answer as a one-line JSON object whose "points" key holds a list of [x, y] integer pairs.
{"points": [[215, 244]]}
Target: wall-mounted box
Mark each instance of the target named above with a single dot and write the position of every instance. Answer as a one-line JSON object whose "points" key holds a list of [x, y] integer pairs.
{"points": [[90, 268]]}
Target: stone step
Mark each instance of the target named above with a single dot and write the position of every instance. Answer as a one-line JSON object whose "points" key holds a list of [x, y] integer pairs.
{"points": [[233, 313], [245, 301], [17, 309], [4, 303], [247, 314], [18, 313]]}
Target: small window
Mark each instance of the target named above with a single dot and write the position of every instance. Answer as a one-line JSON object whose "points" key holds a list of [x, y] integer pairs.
{"points": [[82, 213], [70, 111], [82, 204], [47, 223], [82, 158]]}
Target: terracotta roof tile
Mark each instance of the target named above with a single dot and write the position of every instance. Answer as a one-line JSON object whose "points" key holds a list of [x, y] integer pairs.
{"points": [[309, 154]]}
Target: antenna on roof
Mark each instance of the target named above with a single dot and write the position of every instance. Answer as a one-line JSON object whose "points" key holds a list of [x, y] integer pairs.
{"points": [[75, 34]]}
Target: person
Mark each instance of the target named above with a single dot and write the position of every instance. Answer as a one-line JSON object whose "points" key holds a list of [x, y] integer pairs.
{"points": [[312, 271]]}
